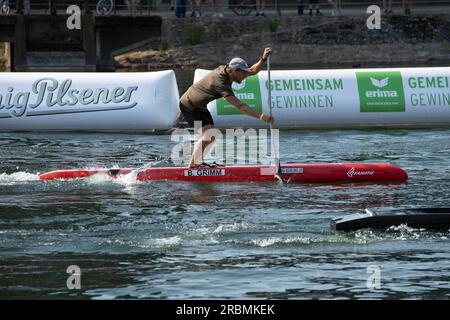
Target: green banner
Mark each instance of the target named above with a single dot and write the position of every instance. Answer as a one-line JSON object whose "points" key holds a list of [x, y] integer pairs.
{"points": [[248, 91], [381, 91]]}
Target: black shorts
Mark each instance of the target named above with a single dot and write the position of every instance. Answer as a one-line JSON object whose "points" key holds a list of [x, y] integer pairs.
{"points": [[197, 115]]}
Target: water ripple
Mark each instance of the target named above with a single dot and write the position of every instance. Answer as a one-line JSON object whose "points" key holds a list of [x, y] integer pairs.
{"points": [[239, 240]]}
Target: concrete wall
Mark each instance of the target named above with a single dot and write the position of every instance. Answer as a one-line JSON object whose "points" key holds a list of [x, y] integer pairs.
{"points": [[299, 42]]}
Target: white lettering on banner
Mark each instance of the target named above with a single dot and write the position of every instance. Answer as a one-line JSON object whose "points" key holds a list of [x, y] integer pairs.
{"points": [[381, 94], [204, 173], [48, 92], [245, 96], [352, 172]]}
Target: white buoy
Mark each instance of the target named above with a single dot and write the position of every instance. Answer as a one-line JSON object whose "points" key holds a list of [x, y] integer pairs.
{"points": [[342, 98], [134, 101]]}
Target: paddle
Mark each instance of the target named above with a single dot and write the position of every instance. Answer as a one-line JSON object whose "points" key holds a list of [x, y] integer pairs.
{"points": [[274, 153]]}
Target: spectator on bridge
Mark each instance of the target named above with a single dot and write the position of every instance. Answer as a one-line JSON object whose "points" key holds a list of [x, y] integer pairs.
{"points": [[132, 6], [196, 6], [217, 4], [336, 11], [300, 7], [387, 5], [180, 8], [52, 7], [407, 6], [260, 4], [314, 3]]}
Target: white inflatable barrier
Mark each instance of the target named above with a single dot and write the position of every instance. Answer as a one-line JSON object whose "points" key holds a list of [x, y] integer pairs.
{"points": [[133, 102], [341, 98]]}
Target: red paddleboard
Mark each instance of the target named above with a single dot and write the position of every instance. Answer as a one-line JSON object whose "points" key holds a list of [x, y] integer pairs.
{"points": [[295, 172]]}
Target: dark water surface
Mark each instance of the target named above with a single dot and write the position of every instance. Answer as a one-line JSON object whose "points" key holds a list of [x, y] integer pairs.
{"points": [[239, 240]]}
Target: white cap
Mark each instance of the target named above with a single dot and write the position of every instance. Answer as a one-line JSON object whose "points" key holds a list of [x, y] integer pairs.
{"points": [[240, 64]]}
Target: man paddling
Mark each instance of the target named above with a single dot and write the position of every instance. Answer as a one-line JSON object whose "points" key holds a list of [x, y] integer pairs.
{"points": [[215, 85]]}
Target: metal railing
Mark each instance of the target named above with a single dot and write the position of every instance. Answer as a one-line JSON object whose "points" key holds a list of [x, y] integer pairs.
{"points": [[100, 7], [238, 7]]}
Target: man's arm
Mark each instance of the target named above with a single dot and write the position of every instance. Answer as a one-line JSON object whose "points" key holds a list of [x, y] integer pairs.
{"points": [[260, 64], [247, 110]]}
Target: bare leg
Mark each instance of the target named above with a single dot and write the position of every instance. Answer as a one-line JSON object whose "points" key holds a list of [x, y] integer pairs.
{"points": [[202, 146]]}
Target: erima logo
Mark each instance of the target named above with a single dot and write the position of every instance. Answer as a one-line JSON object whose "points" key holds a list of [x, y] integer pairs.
{"points": [[379, 83], [380, 93]]}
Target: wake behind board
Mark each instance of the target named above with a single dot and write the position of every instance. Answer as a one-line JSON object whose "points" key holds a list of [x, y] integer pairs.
{"points": [[429, 218], [295, 172]]}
